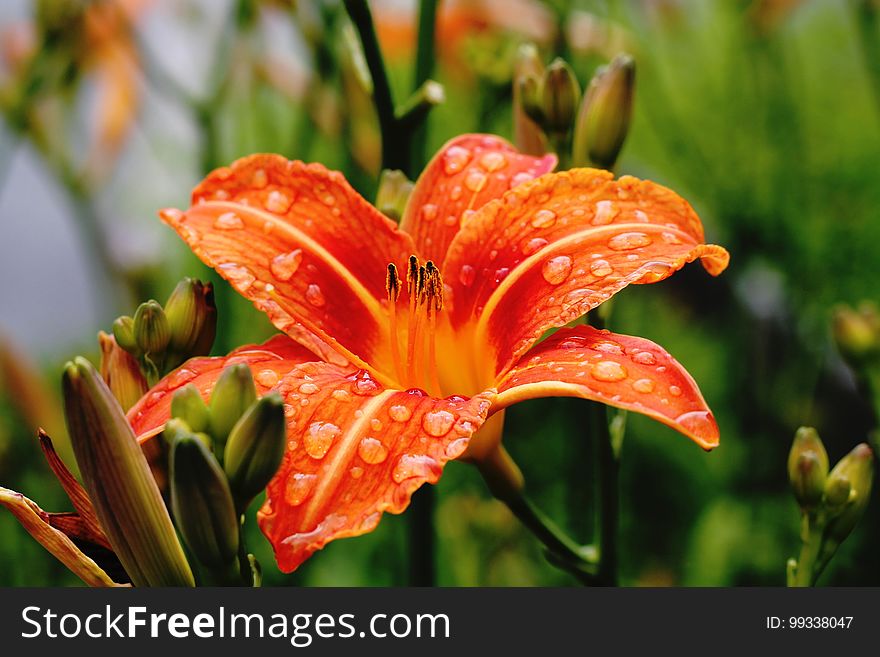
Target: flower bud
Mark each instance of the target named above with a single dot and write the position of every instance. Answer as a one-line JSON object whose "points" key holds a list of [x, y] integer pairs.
{"points": [[205, 341], [188, 405], [118, 480], [255, 448], [123, 331], [857, 332], [807, 467], [202, 504], [176, 428], [186, 310], [394, 191], [528, 70], [856, 468], [560, 97], [233, 393], [120, 372], [151, 330], [604, 116]]}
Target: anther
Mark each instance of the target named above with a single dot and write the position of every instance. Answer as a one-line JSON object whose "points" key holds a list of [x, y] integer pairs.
{"points": [[392, 283]]}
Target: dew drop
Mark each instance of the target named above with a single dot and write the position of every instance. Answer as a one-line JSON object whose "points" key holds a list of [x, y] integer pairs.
{"points": [[699, 423], [298, 488], [284, 266], [608, 370], [456, 193], [675, 391], [356, 472], [670, 238], [608, 347], [557, 269], [543, 219], [260, 179], [643, 385], [600, 268], [308, 388], [475, 180], [277, 202], [493, 161], [341, 395], [605, 213], [454, 159], [500, 275], [181, 376], [364, 383], [450, 220], [520, 178], [399, 413], [319, 438], [626, 241], [533, 245], [466, 275], [644, 358], [438, 423], [376, 424], [240, 276], [228, 221], [267, 378], [429, 212], [314, 296], [372, 451], [456, 447], [414, 465]]}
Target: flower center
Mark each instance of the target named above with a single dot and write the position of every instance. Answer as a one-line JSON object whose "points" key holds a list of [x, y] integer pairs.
{"points": [[417, 366]]}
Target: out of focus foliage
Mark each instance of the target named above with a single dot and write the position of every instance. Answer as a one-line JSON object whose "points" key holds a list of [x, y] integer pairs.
{"points": [[765, 114]]}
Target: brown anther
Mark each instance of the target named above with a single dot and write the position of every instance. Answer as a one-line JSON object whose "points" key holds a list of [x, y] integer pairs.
{"points": [[392, 283], [421, 287], [412, 276]]}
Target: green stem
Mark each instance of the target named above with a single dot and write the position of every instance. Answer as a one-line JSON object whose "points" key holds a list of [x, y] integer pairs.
{"points": [[806, 571], [394, 151], [423, 72], [867, 24], [608, 495]]}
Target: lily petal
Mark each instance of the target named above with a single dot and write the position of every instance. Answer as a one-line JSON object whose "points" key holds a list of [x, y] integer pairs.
{"points": [[619, 370], [36, 522], [356, 450], [464, 175], [552, 249], [302, 245], [269, 362]]}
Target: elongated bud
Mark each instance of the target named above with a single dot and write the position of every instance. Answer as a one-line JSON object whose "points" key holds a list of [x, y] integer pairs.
{"points": [[233, 394], [188, 405], [394, 191], [176, 428], [807, 467], [208, 332], [151, 330], [120, 372], [123, 331], [528, 71], [202, 504], [604, 117], [560, 97], [255, 449], [857, 468], [857, 332], [186, 310], [116, 475]]}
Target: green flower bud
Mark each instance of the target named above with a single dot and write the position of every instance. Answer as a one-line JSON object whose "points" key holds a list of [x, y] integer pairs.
{"points": [[857, 468], [604, 116], [123, 331], [807, 467], [233, 394], [857, 332], [188, 405], [117, 477], [528, 71], [560, 97], [394, 191], [208, 332], [202, 505], [151, 330], [837, 492], [120, 372], [176, 428], [255, 448], [186, 310]]}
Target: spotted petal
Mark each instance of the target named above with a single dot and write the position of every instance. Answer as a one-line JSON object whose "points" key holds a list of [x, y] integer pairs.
{"points": [[551, 249], [619, 370], [269, 362], [356, 450], [464, 175], [302, 245]]}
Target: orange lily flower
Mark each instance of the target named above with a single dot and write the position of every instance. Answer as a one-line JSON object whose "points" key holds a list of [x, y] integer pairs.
{"points": [[423, 332]]}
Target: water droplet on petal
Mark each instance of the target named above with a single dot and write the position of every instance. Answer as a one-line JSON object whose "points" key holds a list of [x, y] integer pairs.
{"points": [[376, 424], [608, 347], [492, 161], [520, 178], [341, 395], [557, 269], [228, 221], [533, 245], [626, 241], [456, 193], [454, 159], [644, 358], [670, 238], [298, 488], [675, 391], [456, 447], [438, 423], [239, 276], [399, 413], [475, 180], [608, 370], [180, 377], [429, 212], [643, 385], [356, 472], [500, 275], [600, 268], [314, 296], [415, 465], [543, 219], [284, 266], [319, 438], [308, 388], [466, 275], [372, 451], [605, 213], [277, 202], [451, 220], [267, 378], [700, 423], [364, 383]]}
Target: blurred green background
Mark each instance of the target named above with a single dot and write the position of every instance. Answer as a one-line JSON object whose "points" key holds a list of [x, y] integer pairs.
{"points": [[765, 115]]}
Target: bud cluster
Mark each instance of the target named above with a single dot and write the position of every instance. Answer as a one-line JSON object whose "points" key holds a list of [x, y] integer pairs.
{"points": [[584, 129], [831, 502], [160, 338]]}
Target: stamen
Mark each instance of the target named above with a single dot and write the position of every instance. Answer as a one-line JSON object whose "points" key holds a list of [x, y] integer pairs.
{"points": [[392, 285], [417, 300], [435, 303]]}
